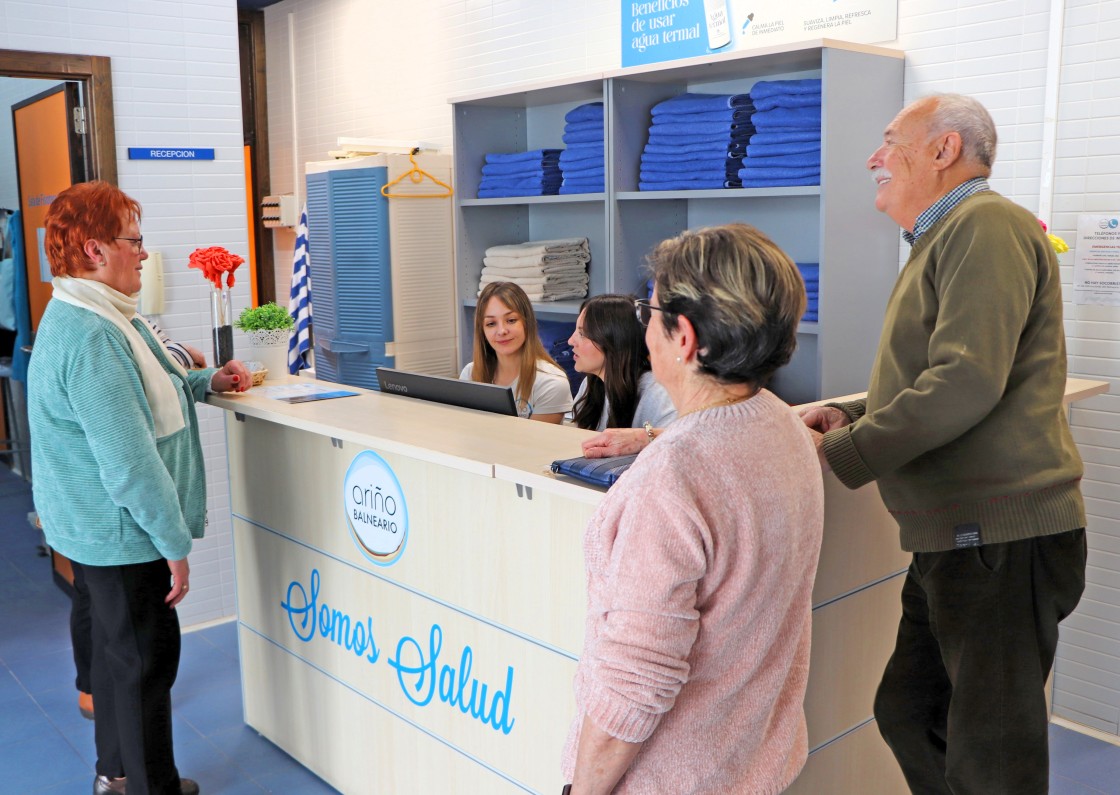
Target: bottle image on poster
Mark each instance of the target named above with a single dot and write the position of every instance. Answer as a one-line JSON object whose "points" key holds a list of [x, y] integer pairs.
{"points": [[719, 26]]}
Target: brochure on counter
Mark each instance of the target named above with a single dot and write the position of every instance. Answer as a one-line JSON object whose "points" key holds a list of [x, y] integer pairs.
{"points": [[301, 393]]}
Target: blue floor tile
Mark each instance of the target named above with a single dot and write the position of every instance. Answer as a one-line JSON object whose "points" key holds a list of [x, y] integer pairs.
{"points": [[22, 720], [40, 762]]}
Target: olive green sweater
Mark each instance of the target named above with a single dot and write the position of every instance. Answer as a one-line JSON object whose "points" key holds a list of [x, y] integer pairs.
{"points": [[963, 422]]}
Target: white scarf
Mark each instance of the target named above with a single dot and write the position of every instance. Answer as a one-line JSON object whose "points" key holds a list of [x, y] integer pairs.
{"points": [[119, 309]]}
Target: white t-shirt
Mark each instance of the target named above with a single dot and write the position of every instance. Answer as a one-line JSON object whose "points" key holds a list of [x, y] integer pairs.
{"points": [[551, 392], [653, 406]]}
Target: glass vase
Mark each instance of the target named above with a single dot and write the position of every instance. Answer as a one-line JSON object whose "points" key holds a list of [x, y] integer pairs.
{"points": [[221, 316]]}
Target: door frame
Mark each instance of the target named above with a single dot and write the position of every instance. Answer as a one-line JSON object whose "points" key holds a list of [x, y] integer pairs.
{"points": [[95, 75]]}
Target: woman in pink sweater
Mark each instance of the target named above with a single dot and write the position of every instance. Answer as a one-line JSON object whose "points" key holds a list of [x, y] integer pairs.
{"points": [[700, 561]]}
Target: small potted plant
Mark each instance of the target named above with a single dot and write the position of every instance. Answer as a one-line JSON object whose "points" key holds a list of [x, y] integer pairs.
{"points": [[267, 327]]}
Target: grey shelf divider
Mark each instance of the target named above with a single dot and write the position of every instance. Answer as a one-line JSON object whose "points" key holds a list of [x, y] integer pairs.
{"points": [[835, 224]]}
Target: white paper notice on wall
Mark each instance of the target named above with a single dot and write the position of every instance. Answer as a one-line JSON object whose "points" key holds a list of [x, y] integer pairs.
{"points": [[1096, 264]]}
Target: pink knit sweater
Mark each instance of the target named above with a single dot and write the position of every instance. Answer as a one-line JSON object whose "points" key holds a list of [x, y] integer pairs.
{"points": [[700, 565]]}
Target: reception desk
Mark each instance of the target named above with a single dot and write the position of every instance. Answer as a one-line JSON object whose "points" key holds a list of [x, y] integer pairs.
{"points": [[411, 598]]}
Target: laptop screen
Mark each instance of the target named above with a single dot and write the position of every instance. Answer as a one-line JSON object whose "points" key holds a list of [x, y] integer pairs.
{"points": [[450, 391]]}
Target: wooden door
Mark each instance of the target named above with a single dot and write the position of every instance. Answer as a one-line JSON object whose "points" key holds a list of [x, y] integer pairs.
{"points": [[50, 145]]}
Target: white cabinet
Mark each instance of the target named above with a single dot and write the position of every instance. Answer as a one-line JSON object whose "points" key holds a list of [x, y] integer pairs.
{"points": [[834, 224]]}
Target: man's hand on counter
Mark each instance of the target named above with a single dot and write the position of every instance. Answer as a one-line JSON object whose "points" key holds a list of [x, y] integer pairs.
{"points": [[821, 420]]}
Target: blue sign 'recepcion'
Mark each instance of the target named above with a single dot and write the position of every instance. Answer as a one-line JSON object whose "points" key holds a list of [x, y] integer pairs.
{"points": [[168, 153]]}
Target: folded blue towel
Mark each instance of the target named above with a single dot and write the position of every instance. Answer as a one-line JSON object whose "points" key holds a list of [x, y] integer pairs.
{"points": [[690, 128], [520, 182], [809, 317], [769, 150], [525, 169], [776, 182], [793, 160], [590, 111], [505, 193], [584, 179], [741, 101], [787, 117], [566, 190], [714, 141], [596, 171], [656, 162], [690, 103], [689, 149], [517, 157], [737, 149], [583, 137], [581, 158], [777, 172], [684, 184], [583, 126], [768, 88], [669, 176], [787, 101], [727, 114], [742, 114], [791, 136]]}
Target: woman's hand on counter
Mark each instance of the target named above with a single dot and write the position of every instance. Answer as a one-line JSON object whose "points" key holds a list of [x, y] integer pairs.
{"points": [[616, 441], [233, 377]]}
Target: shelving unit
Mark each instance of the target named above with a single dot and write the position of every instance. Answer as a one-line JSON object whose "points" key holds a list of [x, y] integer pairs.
{"points": [[835, 223]]}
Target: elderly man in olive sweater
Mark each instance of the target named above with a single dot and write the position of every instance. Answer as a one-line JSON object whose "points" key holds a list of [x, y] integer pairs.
{"points": [[963, 430]]}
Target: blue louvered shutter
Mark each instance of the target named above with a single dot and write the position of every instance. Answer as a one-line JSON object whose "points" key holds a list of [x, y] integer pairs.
{"points": [[352, 274]]}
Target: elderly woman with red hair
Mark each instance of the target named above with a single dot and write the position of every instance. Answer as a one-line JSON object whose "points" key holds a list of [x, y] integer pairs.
{"points": [[119, 479]]}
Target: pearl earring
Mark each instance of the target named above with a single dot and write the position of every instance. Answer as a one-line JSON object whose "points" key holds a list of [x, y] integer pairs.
{"points": [[678, 359]]}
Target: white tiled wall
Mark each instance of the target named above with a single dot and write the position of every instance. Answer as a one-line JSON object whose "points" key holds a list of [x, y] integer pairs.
{"points": [[385, 69], [175, 83]]}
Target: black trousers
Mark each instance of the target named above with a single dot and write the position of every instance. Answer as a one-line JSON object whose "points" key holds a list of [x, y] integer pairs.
{"points": [[136, 646], [81, 631], [962, 702]]}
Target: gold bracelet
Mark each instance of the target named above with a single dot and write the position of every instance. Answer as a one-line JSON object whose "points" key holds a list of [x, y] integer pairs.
{"points": [[649, 429]]}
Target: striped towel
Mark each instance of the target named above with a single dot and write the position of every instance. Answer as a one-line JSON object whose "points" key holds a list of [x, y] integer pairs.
{"points": [[299, 301]]}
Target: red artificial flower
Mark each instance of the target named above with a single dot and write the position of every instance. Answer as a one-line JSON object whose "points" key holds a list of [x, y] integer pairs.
{"points": [[213, 262]]}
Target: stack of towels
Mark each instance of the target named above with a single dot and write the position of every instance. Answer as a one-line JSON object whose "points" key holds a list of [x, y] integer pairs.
{"points": [[535, 173], [786, 146], [582, 162], [547, 270], [811, 275], [696, 141]]}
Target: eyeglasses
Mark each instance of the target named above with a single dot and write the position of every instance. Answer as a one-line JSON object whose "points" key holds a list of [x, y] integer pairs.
{"points": [[643, 310], [137, 242]]}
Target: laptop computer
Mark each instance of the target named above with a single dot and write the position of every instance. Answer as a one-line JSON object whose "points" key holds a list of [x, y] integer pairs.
{"points": [[450, 391]]}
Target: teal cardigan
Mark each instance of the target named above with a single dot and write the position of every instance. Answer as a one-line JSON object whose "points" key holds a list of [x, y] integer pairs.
{"points": [[107, 491]]}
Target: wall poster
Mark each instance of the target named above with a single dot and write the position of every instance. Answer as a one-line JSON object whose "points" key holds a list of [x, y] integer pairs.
{"points": [[665, 30], [1096, 263]]}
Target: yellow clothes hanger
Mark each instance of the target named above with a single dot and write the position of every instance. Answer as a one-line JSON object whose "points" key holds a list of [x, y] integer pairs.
{"points": [[416, 174]]}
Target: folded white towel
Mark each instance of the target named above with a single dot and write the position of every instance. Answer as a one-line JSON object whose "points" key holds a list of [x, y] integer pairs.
{"points": [[539, 270], [507, 261], [566, 280], [558, 246]]}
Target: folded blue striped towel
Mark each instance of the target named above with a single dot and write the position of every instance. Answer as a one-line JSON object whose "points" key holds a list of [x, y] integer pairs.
{"points": [[787, 117], [787, 101], [517, 157], [791, 148], [589, 111], [777, 172], [768, 88], [727, 114], [690, 102], [583, 137], [684, 184], [792, 160], [788, 136]]}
